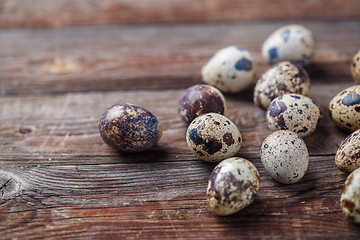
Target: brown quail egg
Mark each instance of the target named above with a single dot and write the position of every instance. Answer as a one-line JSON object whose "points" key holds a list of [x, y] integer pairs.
{"points": [[293, 112], [281, 78], [200, 99], [284, 156], [347, 157], [212, 137], [292, 43], [232, 186], [355, 67], [345, 108], [231, 69], [129, 128], [350, 197]]}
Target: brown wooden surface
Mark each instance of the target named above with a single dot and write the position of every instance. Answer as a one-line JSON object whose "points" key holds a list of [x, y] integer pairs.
{"points": [[151, 56], [59, 180], [26, 13]]}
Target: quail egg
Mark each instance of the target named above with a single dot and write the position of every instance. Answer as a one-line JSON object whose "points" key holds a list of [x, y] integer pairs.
{"points": [[355, 67], [200, 99], [345, 108], [293, 43], [232, 186], [285, 156], [212, 137], [129, 128], [231, 69], [293, 112], [347, 157], [281, 78], [350, 197]]}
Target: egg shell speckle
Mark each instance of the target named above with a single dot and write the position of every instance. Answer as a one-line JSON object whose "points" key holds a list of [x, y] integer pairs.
{"points": [[232, 186], [231, 69], [345, 108], [347, 157], [292, 43], [129, 128], [281, 78], [198, 100], [293, 112], [212, 137], [285, 156], [355, 67], [350, 197]]}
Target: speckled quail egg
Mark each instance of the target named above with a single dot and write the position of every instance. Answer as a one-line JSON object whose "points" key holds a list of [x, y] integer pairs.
{"points": [[231, 69], [200, 99], [355, 67], [129, 128], [347, 157], [212, 137], [345, 108], [281, 78], [293, 112], [292, 43], [350, 197], [232, 186], [285, 156]]}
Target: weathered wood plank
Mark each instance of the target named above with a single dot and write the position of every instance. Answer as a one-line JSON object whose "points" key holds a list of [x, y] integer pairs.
{"points": [[106, 58], [67, 123], [59, 180], [179, 212], [27, 13], [73, 186]]}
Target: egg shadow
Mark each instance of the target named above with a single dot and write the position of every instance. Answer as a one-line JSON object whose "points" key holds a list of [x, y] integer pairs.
{"points": [[154, 154], [326, 138], [243, 221], [320, 71], [316, 71], [313, 140], [354, 226], [245, 95], [208, 166]]}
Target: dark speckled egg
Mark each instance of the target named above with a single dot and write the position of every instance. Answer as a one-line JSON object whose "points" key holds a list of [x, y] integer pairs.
{"points": [[293, 112], [212, 137], [129, 128], [350, 197], [284, 77], [347, 157], [232, 186], [345, 108], [200, 99]]}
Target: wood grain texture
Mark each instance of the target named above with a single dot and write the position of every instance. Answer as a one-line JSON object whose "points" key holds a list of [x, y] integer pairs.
{"points": [[55, 13], [151, 56], [58, 179], [74, 186]]}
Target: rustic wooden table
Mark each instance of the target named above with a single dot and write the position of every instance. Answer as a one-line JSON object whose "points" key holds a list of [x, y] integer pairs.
{"points": [[59, 180]]}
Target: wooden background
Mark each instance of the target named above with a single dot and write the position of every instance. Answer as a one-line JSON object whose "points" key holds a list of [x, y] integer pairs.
{"points": [[63, 62]]}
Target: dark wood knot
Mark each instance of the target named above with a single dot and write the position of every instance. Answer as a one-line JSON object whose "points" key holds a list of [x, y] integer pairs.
{"points": [[10, 185]]}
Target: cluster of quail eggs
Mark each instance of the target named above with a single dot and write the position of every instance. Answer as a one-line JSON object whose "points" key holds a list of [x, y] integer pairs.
{"points": [[290, 114], [344, 110], [213, 137]]}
